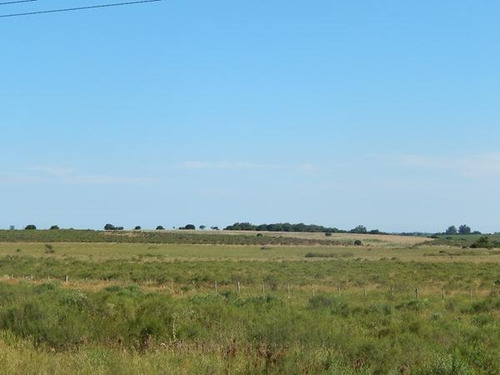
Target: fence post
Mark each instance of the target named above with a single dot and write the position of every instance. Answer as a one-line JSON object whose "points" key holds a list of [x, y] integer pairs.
{"points": [[239, 288], [416, 293], [216, 290], [66, 278]]}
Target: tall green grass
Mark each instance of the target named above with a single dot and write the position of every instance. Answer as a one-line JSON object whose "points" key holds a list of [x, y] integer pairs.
{"points": [[211, 332], [328, 273]]}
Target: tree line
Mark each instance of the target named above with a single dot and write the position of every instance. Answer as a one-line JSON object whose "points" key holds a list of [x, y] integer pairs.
{"points": [[462, 229], [245, 226], [288, 227], [301, 227]]}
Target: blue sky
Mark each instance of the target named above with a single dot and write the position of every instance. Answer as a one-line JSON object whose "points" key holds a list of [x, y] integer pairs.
{"points": [[382, 113]]}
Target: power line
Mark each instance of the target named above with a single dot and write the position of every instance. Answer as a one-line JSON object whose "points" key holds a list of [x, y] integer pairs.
{"points": [[75, 9], [17, 2]]}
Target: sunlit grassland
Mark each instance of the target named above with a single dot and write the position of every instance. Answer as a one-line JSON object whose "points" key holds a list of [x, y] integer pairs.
{"points": [[195, 252], [392, 305], [48, 329]]}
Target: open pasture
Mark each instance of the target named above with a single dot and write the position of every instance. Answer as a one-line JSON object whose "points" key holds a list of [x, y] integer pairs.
{"points": [[390, 305]]}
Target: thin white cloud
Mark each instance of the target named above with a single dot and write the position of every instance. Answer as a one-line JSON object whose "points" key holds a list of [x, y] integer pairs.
{"points": [[306, 168], [479, 166], [65, 175], [9, 178], [53, 170], [209, 165], [309, 168], [472, 166], [101, 179]]}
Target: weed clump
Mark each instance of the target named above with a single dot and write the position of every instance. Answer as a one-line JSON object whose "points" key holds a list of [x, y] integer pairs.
{"points": [[49, 249]]}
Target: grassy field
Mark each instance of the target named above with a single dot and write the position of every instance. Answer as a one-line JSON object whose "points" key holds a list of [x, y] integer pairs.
{"points": [[236, 303], [167, 237]]}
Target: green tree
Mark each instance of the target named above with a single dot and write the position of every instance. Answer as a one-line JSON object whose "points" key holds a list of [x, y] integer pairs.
{"points": [[359, 229], [30, 227], [451, 230], [464, 229]]}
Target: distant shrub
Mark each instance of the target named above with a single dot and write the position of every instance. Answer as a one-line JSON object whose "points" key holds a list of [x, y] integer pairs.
{"points": [[482, 243], [137, 227], [328, 234], [113, 289], [486, 305], [159, 227], [358, 243], [412, 305], [54, 227], [336, 305], [30, 227], [345, 254], [446, 365], [112, 227], [436, 316]]}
